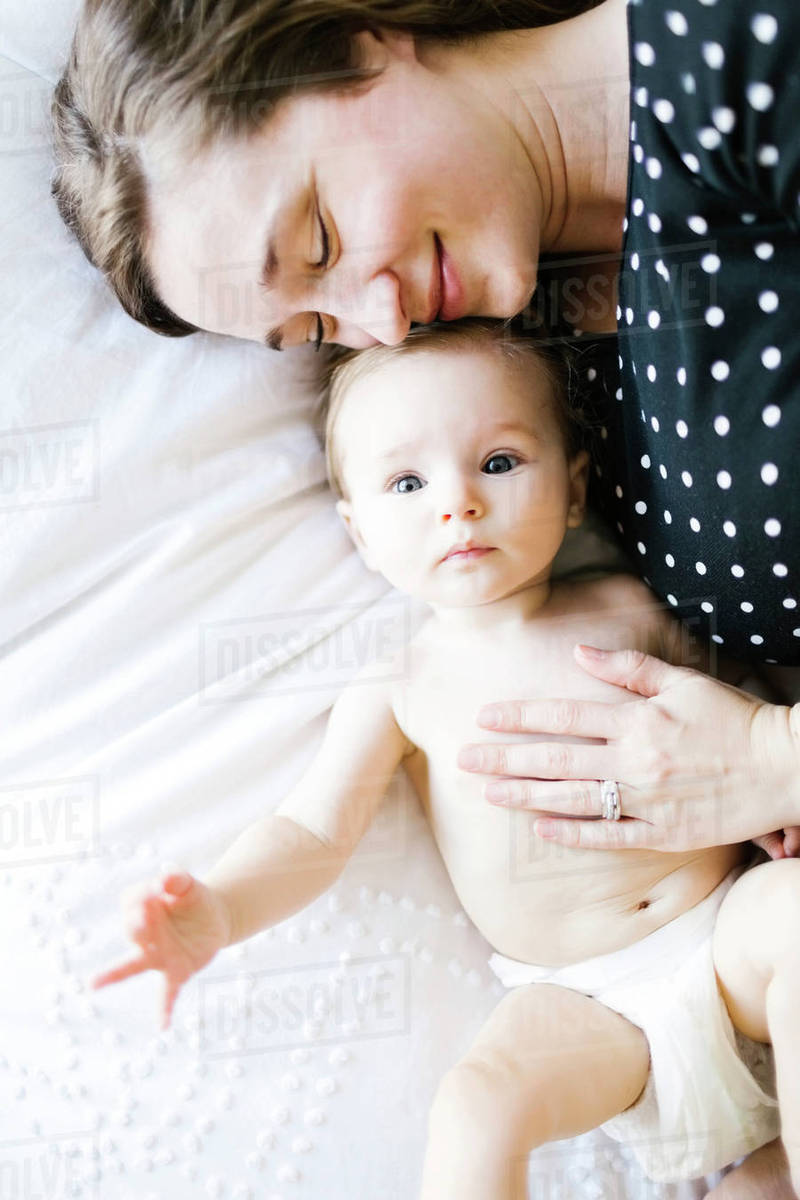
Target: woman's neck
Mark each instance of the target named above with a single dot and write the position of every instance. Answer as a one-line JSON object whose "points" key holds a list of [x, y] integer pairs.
{"points": [[565, 89]]}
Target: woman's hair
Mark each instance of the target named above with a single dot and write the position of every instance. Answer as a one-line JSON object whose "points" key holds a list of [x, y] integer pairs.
{"points": [[555, 356], [193, 71]]}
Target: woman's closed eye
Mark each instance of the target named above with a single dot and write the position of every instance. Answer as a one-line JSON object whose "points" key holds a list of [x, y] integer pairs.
{"points": [[500, 463], [321, 265]]}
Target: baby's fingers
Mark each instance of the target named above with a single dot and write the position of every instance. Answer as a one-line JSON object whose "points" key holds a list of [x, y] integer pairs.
{"points": [[132, 966]]}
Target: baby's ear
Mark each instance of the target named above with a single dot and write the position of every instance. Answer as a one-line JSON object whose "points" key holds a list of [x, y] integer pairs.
{"points": [[578, 482], [345, 510]]}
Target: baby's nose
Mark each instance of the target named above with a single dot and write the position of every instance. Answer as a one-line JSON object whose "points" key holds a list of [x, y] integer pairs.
{"points": [[467, 512]]}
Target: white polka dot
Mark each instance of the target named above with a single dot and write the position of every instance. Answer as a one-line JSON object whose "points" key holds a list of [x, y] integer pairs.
{"points": [[640, 546], [789, 602], [669, 560], [746, 606], [767, 156], [721, 425], [618, 393], [724, 480], [671, 599], [618, 492], [720, 370], [772, 527], [796, 632], [667, 517], [640, 507], [694, 524], [686, 478], [655, 424], [709, 138], [737, 571], [645, 461], [747, 218], [680, 375], [635, 261], [763, 25], [771, 357], [644, 53], [760, 96], [677, 23], [757, 639], [638, 153], [653, 168], [707, 606], [769, 473], [640, 95], [629, 315], [714, 316], [691, 161], [700, 567], [591, 374], [713, 54], [729, 528], [768, 301], [654, 222], [682, 429], [710, 263], [651, 372], [724, 118], [662, 470], [716, 638], [771, 415], [698, 225], [764, 250], [688, 83], [664, 110], [637, 207], [662, 270], [653, 319], [780, 569]]}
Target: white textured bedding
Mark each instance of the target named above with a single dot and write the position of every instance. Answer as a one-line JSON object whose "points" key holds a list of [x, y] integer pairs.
{"points": [[179, 607]]}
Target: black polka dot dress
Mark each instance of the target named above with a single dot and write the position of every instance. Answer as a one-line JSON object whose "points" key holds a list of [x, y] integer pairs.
{"points": [[701, 472]]}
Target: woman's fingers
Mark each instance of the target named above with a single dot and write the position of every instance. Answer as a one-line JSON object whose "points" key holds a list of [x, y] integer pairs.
{"points": [[131, 966], [581, 718], [171, 989], [599, 835], [539, 760], [574, 798], [631, 669]]}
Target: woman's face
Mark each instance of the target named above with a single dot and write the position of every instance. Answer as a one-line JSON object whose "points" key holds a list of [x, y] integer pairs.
{"points": [[351, 216]]}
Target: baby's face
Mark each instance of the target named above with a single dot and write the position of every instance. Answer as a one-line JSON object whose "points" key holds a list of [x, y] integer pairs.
{"points": [[458, 483]]}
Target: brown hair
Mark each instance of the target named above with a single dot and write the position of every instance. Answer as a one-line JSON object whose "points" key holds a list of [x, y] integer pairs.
{"points": [[198, 70], [555, 356]]}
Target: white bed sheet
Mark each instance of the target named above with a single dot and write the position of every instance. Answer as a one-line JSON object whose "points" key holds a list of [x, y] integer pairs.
{"points": [[164, 527]]}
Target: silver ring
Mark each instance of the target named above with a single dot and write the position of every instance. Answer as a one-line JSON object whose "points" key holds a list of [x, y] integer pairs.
{"points": [[610, 801]]}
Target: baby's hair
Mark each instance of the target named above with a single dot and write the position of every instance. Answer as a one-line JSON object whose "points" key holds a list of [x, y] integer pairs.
{"points": [[554, 355]]}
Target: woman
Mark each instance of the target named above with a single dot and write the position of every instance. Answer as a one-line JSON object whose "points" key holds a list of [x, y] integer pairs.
{"points": [[294, 172]]}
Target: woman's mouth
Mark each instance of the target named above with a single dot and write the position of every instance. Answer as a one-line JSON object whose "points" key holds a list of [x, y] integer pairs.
{"points": [[452, 304]]}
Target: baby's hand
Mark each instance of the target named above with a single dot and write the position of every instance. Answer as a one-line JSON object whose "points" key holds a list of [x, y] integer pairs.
{"points": [[178, 928], [784, 843]]}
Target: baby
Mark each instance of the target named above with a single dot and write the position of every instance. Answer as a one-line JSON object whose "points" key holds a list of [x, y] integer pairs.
{"points": [[641, 982]]}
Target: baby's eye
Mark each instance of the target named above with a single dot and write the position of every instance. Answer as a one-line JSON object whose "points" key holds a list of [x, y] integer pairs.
{"points": [[498, 464], [407, 483]]}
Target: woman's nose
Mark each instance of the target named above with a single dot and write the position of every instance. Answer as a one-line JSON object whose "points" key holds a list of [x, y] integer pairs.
{"points": [[381, 316]]}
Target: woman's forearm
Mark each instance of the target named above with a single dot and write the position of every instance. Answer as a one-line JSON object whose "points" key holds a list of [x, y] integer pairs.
{"points": [[274, 868]]}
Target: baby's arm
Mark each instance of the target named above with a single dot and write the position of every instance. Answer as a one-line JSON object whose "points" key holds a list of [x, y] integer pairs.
{"points": [[280, 863]]}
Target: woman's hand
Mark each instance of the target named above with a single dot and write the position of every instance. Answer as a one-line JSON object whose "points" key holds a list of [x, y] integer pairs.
{"points": [[178, 928], [698, 763]]}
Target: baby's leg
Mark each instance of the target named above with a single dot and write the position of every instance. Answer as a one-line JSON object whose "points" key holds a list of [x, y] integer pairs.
{"points": [[757, 960], [549, 1063]]}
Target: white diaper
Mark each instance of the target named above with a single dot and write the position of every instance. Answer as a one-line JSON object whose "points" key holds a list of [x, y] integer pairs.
{"points": [[710, 1092]]}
